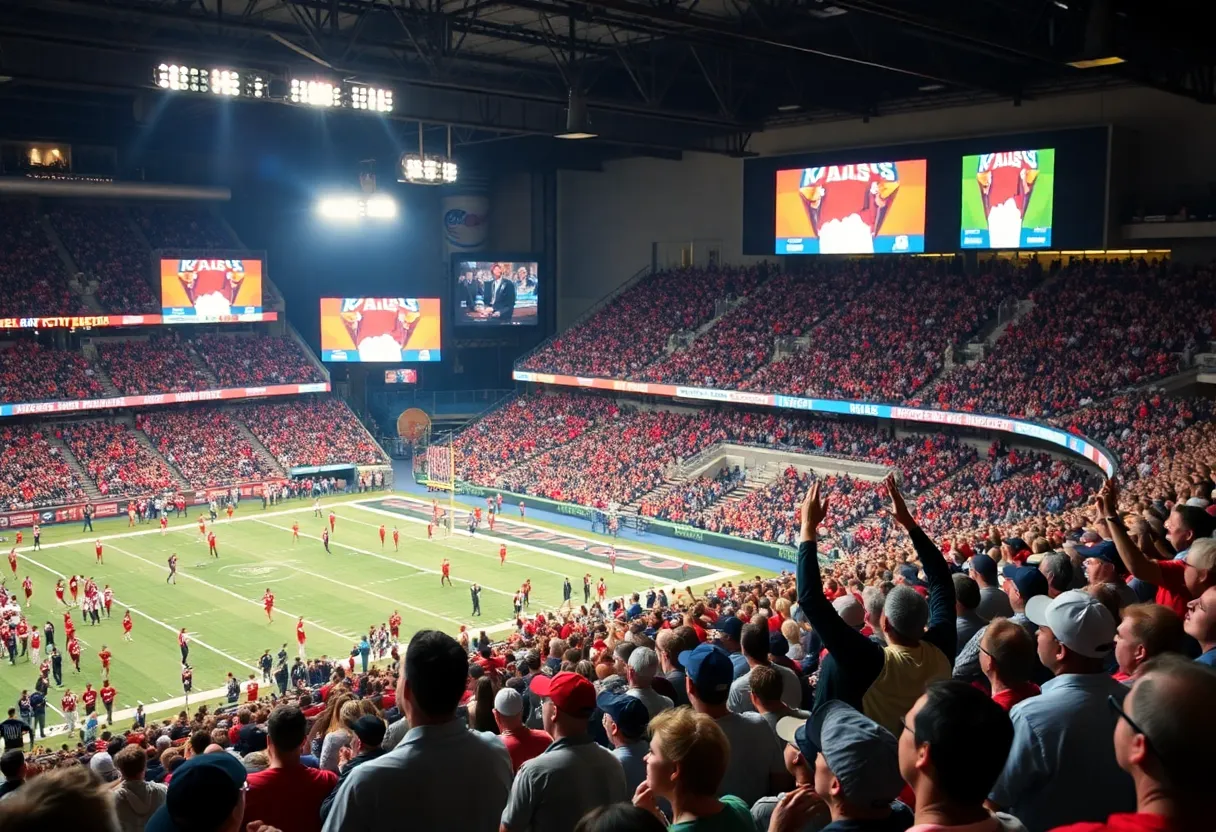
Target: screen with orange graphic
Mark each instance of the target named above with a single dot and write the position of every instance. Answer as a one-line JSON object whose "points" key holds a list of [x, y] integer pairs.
{"points": [[210, 286], [379, 329], [860, 208]]}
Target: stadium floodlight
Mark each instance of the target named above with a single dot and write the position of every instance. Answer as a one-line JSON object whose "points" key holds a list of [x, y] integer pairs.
{"points": [[216, 80], [339, 208], [315, 93], [380, 207], [372, 99]]}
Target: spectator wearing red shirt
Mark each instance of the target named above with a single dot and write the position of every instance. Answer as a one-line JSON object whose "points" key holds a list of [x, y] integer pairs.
{"points": [[288, 795], [1007, 659], [523, 743], [1166, 728]]}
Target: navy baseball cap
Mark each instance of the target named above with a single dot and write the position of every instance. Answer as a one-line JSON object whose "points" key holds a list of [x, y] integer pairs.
{"points": [[986, 566], [729, 626], [628, 712], [1015, 543], [202, 794], [1028, 579], [709, 667], [778, 645], [861, 754]]}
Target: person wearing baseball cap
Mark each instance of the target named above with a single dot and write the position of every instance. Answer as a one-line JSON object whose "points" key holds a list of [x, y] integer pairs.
{"points": [[207, 794], [1021, 584], [369, 731], [625, 719], [1062, 767], [993, 602], [729, 629], [523, 743], [851, 762], [574, 774], [755, 767]]}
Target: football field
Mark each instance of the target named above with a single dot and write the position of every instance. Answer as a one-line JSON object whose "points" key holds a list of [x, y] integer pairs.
{"points": [[340, 595]]}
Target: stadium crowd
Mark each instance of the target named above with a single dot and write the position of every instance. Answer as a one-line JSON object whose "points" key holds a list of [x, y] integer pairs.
{"points": [[114, 459], [33, 280], [180, 227], [105, 248], [32, 372], [256, 361], [632, 330], [205, 444], [312, 432], [1153, 316], [160, 364], [843, 697], [33, 473]]}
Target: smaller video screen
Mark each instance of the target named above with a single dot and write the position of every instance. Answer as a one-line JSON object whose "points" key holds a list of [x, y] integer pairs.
{"points": [[496, 292], [1008, 199], [401, 376], [380, 330]]}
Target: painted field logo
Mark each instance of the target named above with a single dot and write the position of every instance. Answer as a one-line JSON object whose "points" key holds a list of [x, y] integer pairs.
{"points": [[254, 571]]}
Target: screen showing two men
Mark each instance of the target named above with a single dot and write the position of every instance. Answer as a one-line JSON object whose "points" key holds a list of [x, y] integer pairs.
{"points": [[865, 208], [210, 288], [496, 293], [1008, 199], [384, 330]]}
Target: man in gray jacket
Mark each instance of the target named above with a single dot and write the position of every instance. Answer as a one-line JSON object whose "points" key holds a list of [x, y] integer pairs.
{"points": [[135, 799]]}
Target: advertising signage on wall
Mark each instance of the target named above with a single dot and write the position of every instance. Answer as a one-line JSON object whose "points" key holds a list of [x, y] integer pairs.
{"points": [[1078, 445], [228, 393]]}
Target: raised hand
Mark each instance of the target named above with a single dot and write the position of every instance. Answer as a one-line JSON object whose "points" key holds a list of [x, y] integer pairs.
{"points": [[898, 507], [813, 510], [1108, 498]]}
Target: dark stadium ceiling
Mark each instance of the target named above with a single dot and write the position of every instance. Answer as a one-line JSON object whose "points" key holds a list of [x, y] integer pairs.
{"points": [[659, 76]]}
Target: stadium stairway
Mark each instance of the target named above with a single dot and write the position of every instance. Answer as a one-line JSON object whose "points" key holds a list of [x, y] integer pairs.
{"points": [[86, 482], [90, 352], [758, 478], [142, 438], [258, 448], [201, 366], [76, 278]]}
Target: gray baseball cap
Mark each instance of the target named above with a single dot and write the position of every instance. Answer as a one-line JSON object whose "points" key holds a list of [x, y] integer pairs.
{"points": [[862, 754]]}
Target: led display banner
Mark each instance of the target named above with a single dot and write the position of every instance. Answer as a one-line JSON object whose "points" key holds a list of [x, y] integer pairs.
{"points": [[1078, 445], [1008, 199], [862, 208], [380, 330], [210, 286], [99, 321], [78, 405]]}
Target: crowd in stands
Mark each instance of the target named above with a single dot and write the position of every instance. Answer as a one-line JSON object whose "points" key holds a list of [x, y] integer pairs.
{"points": [[181, 227], [33, 372], [312, 432], [743, 340], [524, 427], [105, 249], [1052, 361], [161, 364], [33, 279], [632, 330], [205, 444], [685, 499], [891, 339], [256, 361], [115, 460], [33, 473]]}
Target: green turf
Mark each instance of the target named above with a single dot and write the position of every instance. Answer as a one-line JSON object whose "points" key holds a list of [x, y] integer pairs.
{"points": [[339, 594]]}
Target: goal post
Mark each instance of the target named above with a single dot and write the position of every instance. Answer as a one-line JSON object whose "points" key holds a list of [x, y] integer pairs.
{"points": [[441, 471]]}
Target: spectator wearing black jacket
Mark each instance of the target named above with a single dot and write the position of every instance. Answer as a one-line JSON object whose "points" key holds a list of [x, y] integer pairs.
{"points": [[881, 682]]}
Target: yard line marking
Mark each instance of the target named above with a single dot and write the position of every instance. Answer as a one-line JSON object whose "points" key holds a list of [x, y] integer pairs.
{"points": [[369, 553], [140, 612], [256, 603], [365, 591]]}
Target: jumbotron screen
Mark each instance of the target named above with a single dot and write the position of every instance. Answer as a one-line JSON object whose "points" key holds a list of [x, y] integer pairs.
{"points": [[380, 329], [863, 208], [496, 293], [210, 287], [1008, 199]]}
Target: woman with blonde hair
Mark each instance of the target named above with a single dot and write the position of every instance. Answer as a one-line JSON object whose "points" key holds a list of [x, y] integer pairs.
{"points": [[687, 761]]}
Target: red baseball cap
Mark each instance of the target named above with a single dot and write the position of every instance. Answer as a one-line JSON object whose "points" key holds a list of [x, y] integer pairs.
{"points": [[570, 692]]}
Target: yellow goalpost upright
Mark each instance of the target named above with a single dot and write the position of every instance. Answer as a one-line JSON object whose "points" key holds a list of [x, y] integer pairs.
{"points": [[441, 473]]}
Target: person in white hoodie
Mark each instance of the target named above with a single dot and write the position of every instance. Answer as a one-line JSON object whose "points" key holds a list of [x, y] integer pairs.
{"points": [[952, 748], [135, 799]]}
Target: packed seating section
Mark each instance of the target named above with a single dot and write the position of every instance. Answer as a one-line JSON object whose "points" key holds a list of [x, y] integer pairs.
{"points": [[206, 445], [256, 361], [33, 279], [114, 459], [33, 473], [312, 432], [105, 248]]}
